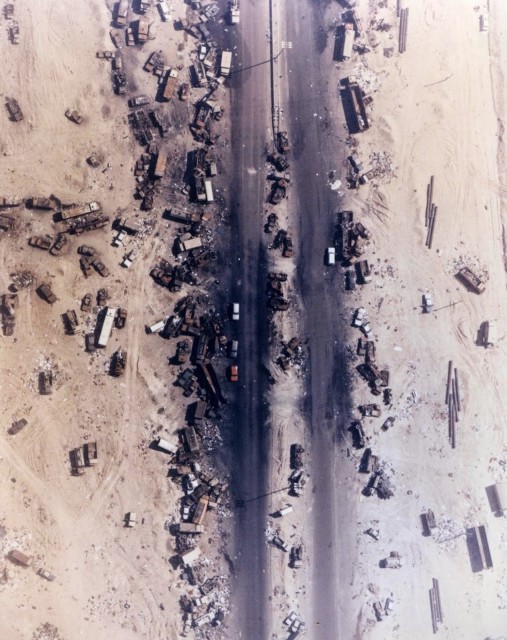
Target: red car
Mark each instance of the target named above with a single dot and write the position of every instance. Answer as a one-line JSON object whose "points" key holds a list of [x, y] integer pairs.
{"points": [[233, 373]]}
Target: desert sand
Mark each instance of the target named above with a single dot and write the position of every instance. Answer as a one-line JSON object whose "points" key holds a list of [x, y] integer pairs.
{"points": [[438, 111], [111, 582]]}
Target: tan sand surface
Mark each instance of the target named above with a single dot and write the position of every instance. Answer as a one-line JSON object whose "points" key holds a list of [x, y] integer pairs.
{"points": [[111, 582]]}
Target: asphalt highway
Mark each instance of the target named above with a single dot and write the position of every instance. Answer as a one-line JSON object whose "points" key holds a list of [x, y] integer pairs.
{"points": [[251, 117], [314, 119], [305, 89]]}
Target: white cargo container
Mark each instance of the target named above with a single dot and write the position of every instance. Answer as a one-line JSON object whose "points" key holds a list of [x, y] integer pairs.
{"points": [[348, 41], [166, 445], [285, 510], [157, 327], [190, 556], [209, 191]]}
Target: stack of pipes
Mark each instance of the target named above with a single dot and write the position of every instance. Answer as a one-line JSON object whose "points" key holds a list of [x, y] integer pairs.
{"points": [[436, 605], [453, 402], [431, 213], [402, 42]]}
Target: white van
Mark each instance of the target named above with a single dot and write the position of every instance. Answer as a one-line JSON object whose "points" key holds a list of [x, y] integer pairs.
{"points": [[331, 255]]}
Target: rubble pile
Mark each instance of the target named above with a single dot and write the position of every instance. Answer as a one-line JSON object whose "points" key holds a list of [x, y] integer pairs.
{"points": [[292, 355], [278, 174], [277, 296]]}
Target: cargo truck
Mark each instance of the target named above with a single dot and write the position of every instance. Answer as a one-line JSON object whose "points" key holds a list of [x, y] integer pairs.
{"points": [[170, 84], [234, 12], [225, 63], [121, 13]]}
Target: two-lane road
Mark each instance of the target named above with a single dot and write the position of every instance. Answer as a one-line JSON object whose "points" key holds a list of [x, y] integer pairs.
{"points": [[251, 119]]}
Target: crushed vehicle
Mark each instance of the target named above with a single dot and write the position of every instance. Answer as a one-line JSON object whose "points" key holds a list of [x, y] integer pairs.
{"points": [[44, 290], [74, 116], [393, 561], [278, 542], [471, 280], [282, 142], [71, 321], [373, 533], [85, 250], [121, 318], [85, 263], [44, 573], [296, 456], [102, 296], [45, 383], [296, 557], [41, 242], [12, 106], [60, 242], [358, 435], [119, 362], [129, 258], [359, 317], [100, 267], [17, 426], [138, 101], [370, 410], [86, 302], [40, 203], [388, 423]]}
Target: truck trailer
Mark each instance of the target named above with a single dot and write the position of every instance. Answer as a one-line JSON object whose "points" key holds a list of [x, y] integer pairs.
{"points": [[107, 327]]}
